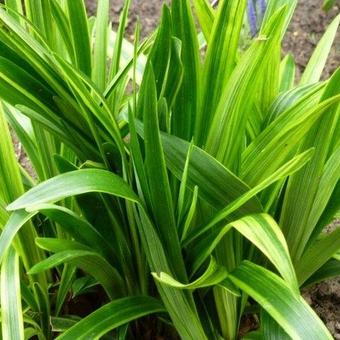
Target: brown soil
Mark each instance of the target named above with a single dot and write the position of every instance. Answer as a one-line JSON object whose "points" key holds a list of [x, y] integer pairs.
{"points": [[325, 300], [307, 27]]}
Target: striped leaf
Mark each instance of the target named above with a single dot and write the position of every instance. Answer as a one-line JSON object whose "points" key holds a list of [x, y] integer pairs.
{"points": [[287, 308]]}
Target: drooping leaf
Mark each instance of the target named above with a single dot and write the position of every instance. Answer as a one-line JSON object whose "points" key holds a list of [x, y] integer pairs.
{"points": [[287, 308], [88, 261], [262, 231], [74, 183], [111, 316], [179, 305], [214, 275]]}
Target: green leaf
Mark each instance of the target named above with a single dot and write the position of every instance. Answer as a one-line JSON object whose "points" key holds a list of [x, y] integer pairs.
{"points": [[187, 101], [182, 188], [287, 308], [303, 186], [324, 195], [160, 53], [214, 275], [317, 254], [263, 232], [121, 75], [274, 5], [62, 324], [80, 35], [116, 57], [331, 211], [256, 335], [30, 333], [119, 40], [266, 235], [287, 73], [111, 316], [319, 57], [79, 228], [220, 60], [91, 104], [289, 168], [100, 44], [89, 262], [227, 132], [10, 181], [74, 183], [328, 4], [303, 97], [206, 16], [179, 306], [66, 280], [206, 173], [11, 310], [13, 225], [23, 129], [63, 28], [271, 330], [330, 269], [175, 77], [279, 139], [187, 223], [161, 200], [44, 308], [14, 6]]}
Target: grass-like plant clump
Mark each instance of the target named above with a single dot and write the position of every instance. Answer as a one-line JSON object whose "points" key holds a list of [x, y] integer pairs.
{"points": [[181, 183]]}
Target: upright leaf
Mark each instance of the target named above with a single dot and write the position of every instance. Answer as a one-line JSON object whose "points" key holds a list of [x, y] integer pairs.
{"points": [[80, 35], [220, 61], [187, 102], [227, 132], [161, 200], [319, 57], [11, 310], [100, 44], [303, 186], [206, 16]]}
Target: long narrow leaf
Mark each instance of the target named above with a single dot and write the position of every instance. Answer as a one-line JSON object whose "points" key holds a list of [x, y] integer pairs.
{"points": [[111, 316], [11, 310], [289, 310]]}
